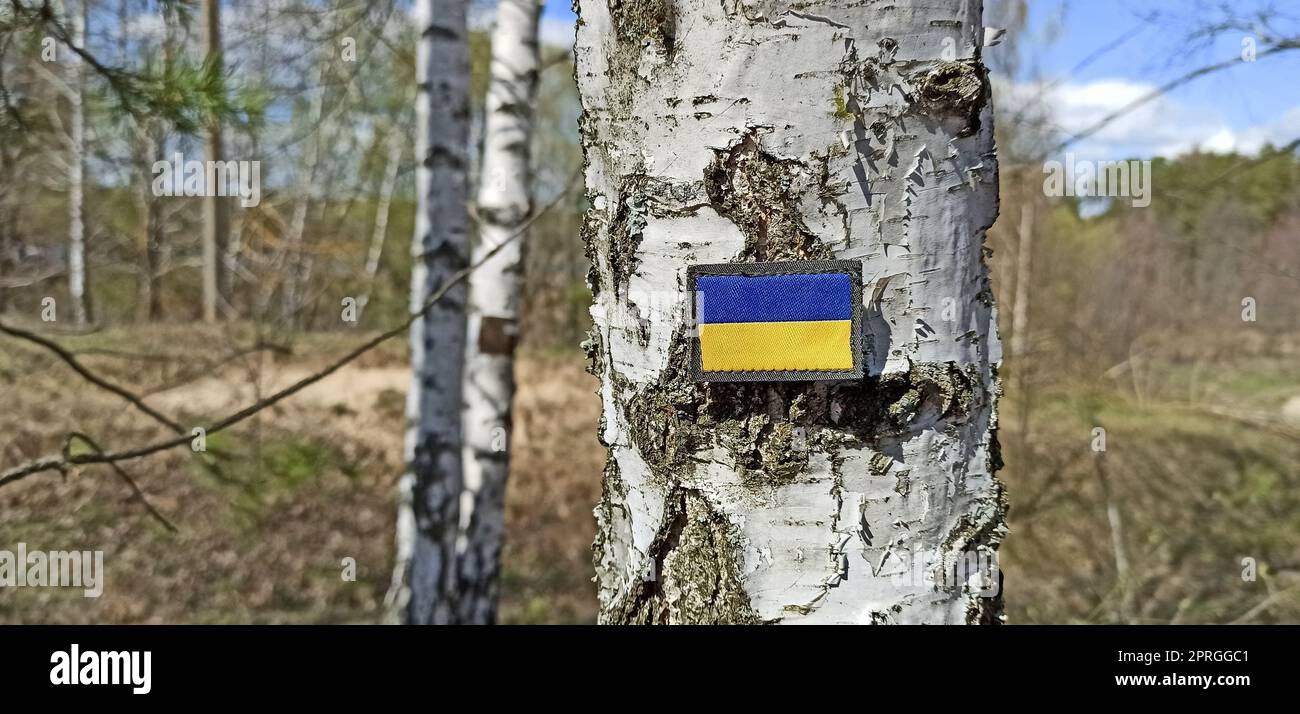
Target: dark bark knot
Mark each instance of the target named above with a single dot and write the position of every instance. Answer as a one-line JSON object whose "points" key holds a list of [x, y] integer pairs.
{"points": [[954, 89], [760, 194]]}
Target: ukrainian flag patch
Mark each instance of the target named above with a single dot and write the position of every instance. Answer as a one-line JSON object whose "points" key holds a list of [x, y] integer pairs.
{"points": [[777, 321]]}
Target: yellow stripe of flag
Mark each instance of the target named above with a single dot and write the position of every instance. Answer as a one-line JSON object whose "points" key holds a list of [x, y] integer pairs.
{"points": [[776, 346]]}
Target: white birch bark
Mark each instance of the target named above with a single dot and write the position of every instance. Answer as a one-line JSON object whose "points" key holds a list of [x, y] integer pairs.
{"points": [[77, 168], [433, 410], [504, 204], [762, 130], [295, 272]]}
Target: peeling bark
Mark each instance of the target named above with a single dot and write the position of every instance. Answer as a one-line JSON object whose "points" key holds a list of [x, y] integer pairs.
{"points": [[758, 130]]}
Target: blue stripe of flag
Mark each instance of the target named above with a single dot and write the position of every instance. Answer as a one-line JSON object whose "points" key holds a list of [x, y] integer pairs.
{"points": [[774, 298]]}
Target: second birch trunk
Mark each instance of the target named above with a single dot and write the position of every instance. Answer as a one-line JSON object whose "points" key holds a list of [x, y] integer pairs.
{"points": [[504, 204], [432, 481]]}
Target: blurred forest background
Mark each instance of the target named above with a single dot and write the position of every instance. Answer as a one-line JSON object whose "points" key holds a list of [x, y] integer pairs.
{"points": [[1113, 316]]}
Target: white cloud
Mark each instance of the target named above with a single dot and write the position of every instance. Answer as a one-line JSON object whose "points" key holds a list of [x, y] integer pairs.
{"points": [[1283, 131], [1163, 126]]}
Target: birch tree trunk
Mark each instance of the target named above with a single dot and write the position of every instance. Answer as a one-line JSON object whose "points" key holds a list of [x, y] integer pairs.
{"points": [[763, 130], [387, 185], [295, 273], [433, 437], [504, 204], [214, 211], [77, 164]]}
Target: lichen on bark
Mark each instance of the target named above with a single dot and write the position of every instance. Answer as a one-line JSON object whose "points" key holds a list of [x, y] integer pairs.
{"points": [[625, 231], [695, 578], [759, 193], [640, 21]]}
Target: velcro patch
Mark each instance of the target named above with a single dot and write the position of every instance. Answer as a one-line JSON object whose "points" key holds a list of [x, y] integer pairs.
{"points": [[769, 322]]}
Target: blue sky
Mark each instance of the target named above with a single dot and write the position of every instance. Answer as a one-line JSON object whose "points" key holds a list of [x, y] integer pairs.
{"points": [[1236, 108]]}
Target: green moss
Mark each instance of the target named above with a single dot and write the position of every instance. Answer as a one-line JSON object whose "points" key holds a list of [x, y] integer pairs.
{"points": [[293, 463], [841, 106], [981, 530], [611, 484], [639, 25], [778, 455], [276, 469]]}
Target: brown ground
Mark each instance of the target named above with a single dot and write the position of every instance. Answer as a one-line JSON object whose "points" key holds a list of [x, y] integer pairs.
{"points": [[264, 531], [1204, 464]]}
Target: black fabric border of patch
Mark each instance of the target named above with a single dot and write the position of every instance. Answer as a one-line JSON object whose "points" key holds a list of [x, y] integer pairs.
{"points": [[808, 267]]}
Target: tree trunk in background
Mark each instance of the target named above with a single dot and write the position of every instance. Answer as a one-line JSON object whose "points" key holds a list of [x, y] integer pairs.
{"points": [[294, 273], [1020, 318], [148, 292], [1020, 302], [504, 205], [214, 210], [7, 218], [76, 176], [1124, 606], [739, 131], [145, 142], [433, 436], [387, 185]]}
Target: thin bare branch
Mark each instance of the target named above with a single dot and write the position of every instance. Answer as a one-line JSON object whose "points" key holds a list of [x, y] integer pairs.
{"points": [[122, 474], [69, 359], [1165, 89], [64, 460]]}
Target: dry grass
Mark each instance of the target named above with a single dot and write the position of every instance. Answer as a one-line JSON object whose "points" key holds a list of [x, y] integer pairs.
{"points": [[264, 528], [555, 482]]}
